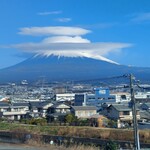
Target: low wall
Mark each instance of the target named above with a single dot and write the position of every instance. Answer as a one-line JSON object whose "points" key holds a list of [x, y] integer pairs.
{"points": [[13, 137], [89, 141], [9, 137]]}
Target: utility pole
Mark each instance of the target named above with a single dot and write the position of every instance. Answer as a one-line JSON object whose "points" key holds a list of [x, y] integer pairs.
{"points": [[134, 113]]}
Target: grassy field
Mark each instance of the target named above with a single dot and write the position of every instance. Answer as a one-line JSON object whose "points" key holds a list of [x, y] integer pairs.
{"points": [[88, 132]]}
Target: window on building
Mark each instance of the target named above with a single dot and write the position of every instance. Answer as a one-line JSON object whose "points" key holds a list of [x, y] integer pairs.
{"points": [[15, 109], [123, 97], [126, 113]]}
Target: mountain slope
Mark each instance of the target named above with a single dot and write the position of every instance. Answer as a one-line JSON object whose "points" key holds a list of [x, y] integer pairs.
{"points": [[67, 68]]}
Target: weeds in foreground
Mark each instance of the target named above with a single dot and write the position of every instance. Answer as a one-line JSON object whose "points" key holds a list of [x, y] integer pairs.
{"points": [[73, 131], [61, 147]]}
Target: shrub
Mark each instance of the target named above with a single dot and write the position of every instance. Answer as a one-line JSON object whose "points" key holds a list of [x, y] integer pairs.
{"points": [[33, 121], [111, 146], [112, 124]]}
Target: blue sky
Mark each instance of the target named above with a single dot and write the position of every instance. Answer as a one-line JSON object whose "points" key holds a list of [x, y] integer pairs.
{"points": [[116, 29]]}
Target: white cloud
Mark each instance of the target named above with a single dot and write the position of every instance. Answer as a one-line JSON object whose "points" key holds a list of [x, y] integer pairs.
{"points": [[63, 19], [48, 45], [49, 13], [141, 17], [65, 39], [57, 30]]}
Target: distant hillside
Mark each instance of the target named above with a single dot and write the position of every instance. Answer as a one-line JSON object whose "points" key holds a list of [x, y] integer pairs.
{"points": [[56, 68]]}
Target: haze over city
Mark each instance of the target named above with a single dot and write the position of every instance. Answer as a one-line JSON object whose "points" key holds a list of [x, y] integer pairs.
{"points": [[116, 30]]}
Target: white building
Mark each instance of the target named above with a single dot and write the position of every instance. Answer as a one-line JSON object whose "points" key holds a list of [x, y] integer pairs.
{"points": [[122, 97], [101, 96], [65, 97], [142, 95]]}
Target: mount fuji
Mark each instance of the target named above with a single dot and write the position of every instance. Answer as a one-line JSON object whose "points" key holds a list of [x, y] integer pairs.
{"points": [[62, 68]]}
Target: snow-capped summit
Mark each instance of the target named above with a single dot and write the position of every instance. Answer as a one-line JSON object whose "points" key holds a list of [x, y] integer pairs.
{"points": [[74, 54]]}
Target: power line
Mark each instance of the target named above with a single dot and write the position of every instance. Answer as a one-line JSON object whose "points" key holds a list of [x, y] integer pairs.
{"points": [[106, 78]]}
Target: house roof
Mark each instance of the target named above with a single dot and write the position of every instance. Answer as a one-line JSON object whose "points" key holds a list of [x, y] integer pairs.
{"points": [[58, 104], [84, 107], [147, 104], [121, 107], [13, 105], [3, 104], [35, 104], [42, 104], [20, 104], [39, 104], [145, 114]]}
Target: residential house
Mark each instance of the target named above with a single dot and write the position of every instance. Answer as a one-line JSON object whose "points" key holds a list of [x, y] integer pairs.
{"points": [[39, 109], [4, 106], [144, 116], [84, 111], [57, 112], [145, 112], [14, 111], [44, 107], [122, 113]]}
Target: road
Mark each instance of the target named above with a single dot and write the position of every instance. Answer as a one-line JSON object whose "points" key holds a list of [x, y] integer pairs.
{"points": [[4, 146]]}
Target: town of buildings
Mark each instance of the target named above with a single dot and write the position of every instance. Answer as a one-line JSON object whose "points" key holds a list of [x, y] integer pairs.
{"points": [[55, 101]]}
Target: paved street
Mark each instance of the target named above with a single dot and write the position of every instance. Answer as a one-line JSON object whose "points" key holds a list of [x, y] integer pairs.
{"points": [[16, 147]]}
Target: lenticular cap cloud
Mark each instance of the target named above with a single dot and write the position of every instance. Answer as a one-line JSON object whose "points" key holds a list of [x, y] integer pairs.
{"points": [[65, 39], [91, 50], [102, 48], [58, 30]]}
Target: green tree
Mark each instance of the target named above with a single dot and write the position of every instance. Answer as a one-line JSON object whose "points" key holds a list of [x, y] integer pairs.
{"points": [[70, 118], [111, 146], [112, 124]]}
